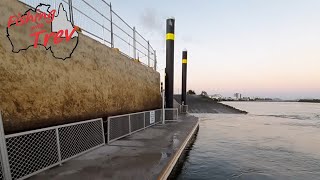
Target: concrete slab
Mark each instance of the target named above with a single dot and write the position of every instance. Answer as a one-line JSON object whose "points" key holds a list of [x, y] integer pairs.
{"points": [[148, 154]]}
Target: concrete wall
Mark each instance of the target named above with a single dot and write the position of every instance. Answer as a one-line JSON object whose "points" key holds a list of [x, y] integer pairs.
{"points": [[38, 90]]}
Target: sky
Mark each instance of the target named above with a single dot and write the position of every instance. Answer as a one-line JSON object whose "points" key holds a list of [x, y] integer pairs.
{"points": [[260, 48]]}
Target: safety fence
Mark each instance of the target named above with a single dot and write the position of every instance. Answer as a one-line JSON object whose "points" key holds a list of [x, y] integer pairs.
{"points": [[28, 153], [97, 20], [127, 124], [1, 174]]}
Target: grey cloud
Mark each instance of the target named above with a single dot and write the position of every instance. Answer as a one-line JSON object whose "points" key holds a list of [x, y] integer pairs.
{"points": [[151, 20]]}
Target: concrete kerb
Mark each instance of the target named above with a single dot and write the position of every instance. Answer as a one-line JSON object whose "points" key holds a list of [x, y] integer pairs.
{"points": [[167, 170]]}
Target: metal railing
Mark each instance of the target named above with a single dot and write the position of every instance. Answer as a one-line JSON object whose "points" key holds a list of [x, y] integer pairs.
{"points": [[97, 20], [171, 114], [1, 174], [28, 153], [127, 124]]}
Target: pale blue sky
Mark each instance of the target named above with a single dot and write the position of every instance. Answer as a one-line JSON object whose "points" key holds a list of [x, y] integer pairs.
{"points": [[255, 47]]}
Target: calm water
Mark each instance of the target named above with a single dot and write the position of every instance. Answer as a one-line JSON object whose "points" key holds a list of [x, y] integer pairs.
{"points": [[274, 141]]}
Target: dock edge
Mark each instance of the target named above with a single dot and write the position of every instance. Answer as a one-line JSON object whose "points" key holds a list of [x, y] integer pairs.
{"points": [[168, 168]]}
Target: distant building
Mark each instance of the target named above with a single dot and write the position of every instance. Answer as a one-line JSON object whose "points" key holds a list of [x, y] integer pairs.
{"points": [[237, 96]]}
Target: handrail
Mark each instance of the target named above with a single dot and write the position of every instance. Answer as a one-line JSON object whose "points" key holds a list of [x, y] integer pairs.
{"points": [[96, 10], [106, 15], [121, 19]]}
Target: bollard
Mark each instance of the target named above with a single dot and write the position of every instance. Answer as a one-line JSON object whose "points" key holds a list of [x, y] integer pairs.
{"points": [[184, 77], [169, 62]]}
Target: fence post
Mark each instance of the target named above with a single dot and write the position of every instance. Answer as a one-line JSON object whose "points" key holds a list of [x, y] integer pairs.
{"points": [[129, 125], [177, 113], [71, 11], [103, 133], [58, 146], [163, 110], [104, 41], [4, 153], [144, 120], [111, 28], [155, 60], [148, 54], [134, 44], [108, 129]]}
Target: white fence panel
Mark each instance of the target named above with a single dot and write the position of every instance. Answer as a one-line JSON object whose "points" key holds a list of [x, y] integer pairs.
{"points": [[1, 175], [34, 151], [124, 125], [75, 139]]}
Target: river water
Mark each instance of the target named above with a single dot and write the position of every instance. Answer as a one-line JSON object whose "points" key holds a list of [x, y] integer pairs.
{"points": [[273, 141]]}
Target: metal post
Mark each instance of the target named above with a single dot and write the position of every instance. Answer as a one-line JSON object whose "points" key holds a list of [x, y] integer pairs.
{"points": [[155, 60], [103, 133], [58, 146], [177, 113], [163, 110], [104, 41], [134, 44], [184, 78], [108, 130], [111, 27], [4, 153], [70, 11], [169, 63], [129, 125], [148, 53], [144, 120]]}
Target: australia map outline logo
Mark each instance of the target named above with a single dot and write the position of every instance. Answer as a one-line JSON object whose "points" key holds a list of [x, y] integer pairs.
{"points": [[61, 29]]}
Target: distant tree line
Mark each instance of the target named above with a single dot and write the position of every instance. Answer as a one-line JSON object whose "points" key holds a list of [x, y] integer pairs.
{"points": [[310, 100], [205, 94]]}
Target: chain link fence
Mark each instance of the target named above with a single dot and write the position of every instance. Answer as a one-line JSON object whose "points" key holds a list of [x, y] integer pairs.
{"points": [[97, 20], [127, 124], [1, 174], [124, 125], [28, 153], [31, 152]]}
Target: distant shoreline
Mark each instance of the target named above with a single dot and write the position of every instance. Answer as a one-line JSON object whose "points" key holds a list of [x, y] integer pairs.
{"points": [[299, 101], [309, 100]]}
